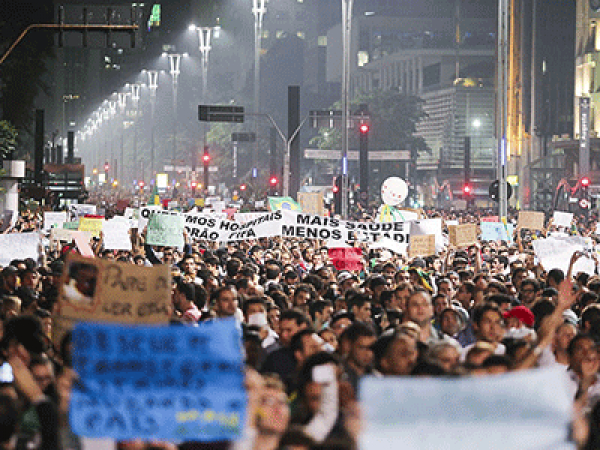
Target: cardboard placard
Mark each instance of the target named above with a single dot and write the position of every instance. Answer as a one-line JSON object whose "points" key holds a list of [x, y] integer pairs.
{"points": [[421, 245], [346, 258], [531, 220], [462, 235], [311, 203], [100, 290]]}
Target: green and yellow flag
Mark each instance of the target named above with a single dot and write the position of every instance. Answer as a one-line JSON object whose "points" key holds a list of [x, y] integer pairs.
{"points": [[154, 197], [277, 203]]}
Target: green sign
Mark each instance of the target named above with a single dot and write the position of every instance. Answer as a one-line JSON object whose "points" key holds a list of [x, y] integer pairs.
{"points": [[154, 20]]}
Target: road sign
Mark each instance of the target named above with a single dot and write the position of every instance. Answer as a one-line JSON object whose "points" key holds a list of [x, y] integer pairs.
{"points": [[243, 137], [220, 113], [374, 155]]}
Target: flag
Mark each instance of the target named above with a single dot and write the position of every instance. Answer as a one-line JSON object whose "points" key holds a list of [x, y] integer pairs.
{"points": [[277, 203], [154, 197]]}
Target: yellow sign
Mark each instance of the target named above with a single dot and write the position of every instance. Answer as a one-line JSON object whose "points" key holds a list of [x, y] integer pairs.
{"points": [[199, 202], [513, 180], [92, 225]]}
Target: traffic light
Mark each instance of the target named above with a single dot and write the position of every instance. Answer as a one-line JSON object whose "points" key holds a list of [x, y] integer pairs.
{"points": [[584, 199], [273, 182], [106, 168], [467, 191], [585, 182], [206, 163], [337, 194], [243, 187], [364, 128], [194, 185]]}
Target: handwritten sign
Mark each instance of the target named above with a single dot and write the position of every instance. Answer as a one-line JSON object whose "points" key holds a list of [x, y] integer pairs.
{"points": [[71, 225], [91, 224], [429, 226], [147, 211], [496, 231], [165, 230], [467, 413], [116, 234], [421, 245], [562, 219], [348, 258], [463, 235], [109, 291], [531, 220], [555, 253], [167, 383], [311, 202], [54, 219], [19, 246]]}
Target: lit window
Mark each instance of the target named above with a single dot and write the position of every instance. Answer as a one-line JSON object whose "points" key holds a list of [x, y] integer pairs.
{"points": [[363, 58]]}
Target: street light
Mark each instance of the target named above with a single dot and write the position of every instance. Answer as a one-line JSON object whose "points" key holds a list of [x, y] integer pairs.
{"points": [[175, 71], [346, 39], [259, 9], [153, 85], [204, 37]]}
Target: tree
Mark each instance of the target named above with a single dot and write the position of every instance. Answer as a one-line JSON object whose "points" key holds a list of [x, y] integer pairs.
{"points": [[8, 139], [394, 117]]}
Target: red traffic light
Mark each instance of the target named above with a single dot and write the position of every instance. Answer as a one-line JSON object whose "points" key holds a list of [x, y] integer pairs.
{"points": [[585, 182], [141, 184], [206, 158], [335, 189], [106, 167], [273, 181], [364, 128], [467, 189], [243, 187], [194, 184]]}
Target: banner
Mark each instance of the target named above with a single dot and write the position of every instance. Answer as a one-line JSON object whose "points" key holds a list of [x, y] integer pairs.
{"points": [[462, 235], [555, 253], [80, 210], [164, 383], [54, 219], [532, 220], [166, 230], [523, 410], [116, 234], [19, 246], [348, 258], [100, 290]]}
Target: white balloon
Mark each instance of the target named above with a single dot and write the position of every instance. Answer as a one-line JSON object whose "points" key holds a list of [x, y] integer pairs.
{"points": [[393, 191]]}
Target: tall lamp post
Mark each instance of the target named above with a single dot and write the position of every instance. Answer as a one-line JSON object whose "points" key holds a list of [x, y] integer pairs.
{"points": [[346, 39], [259, 9], [135, 96], [175, 71]]}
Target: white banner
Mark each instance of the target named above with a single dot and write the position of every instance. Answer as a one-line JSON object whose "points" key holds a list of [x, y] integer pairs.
{"points": [[526, 410]]}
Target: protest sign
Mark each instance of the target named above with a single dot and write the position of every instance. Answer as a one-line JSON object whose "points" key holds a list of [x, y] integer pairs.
{"points": [[54, 219], [311, 203], [80, 210], [346, 258], [61, 234], [147, 211], [524, 410], [532, 220], [116, 234], [490, 219], [93, 225], [421, 245], [286, 203], [562, 219], [496, 231], [555, 253], [71, 225], [133, 216], [82, 240], [168, 383], [451, 223], [429, 226], [109, 291], [19, 246], [463, 235], [165, 230], [598, 229]]}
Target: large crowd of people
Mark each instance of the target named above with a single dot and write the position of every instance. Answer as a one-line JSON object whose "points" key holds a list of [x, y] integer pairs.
{"points": [[311, 332]]}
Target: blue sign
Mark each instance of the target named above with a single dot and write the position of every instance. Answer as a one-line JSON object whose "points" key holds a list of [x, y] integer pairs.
{"points": [[156, 382], [496, 231]]}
